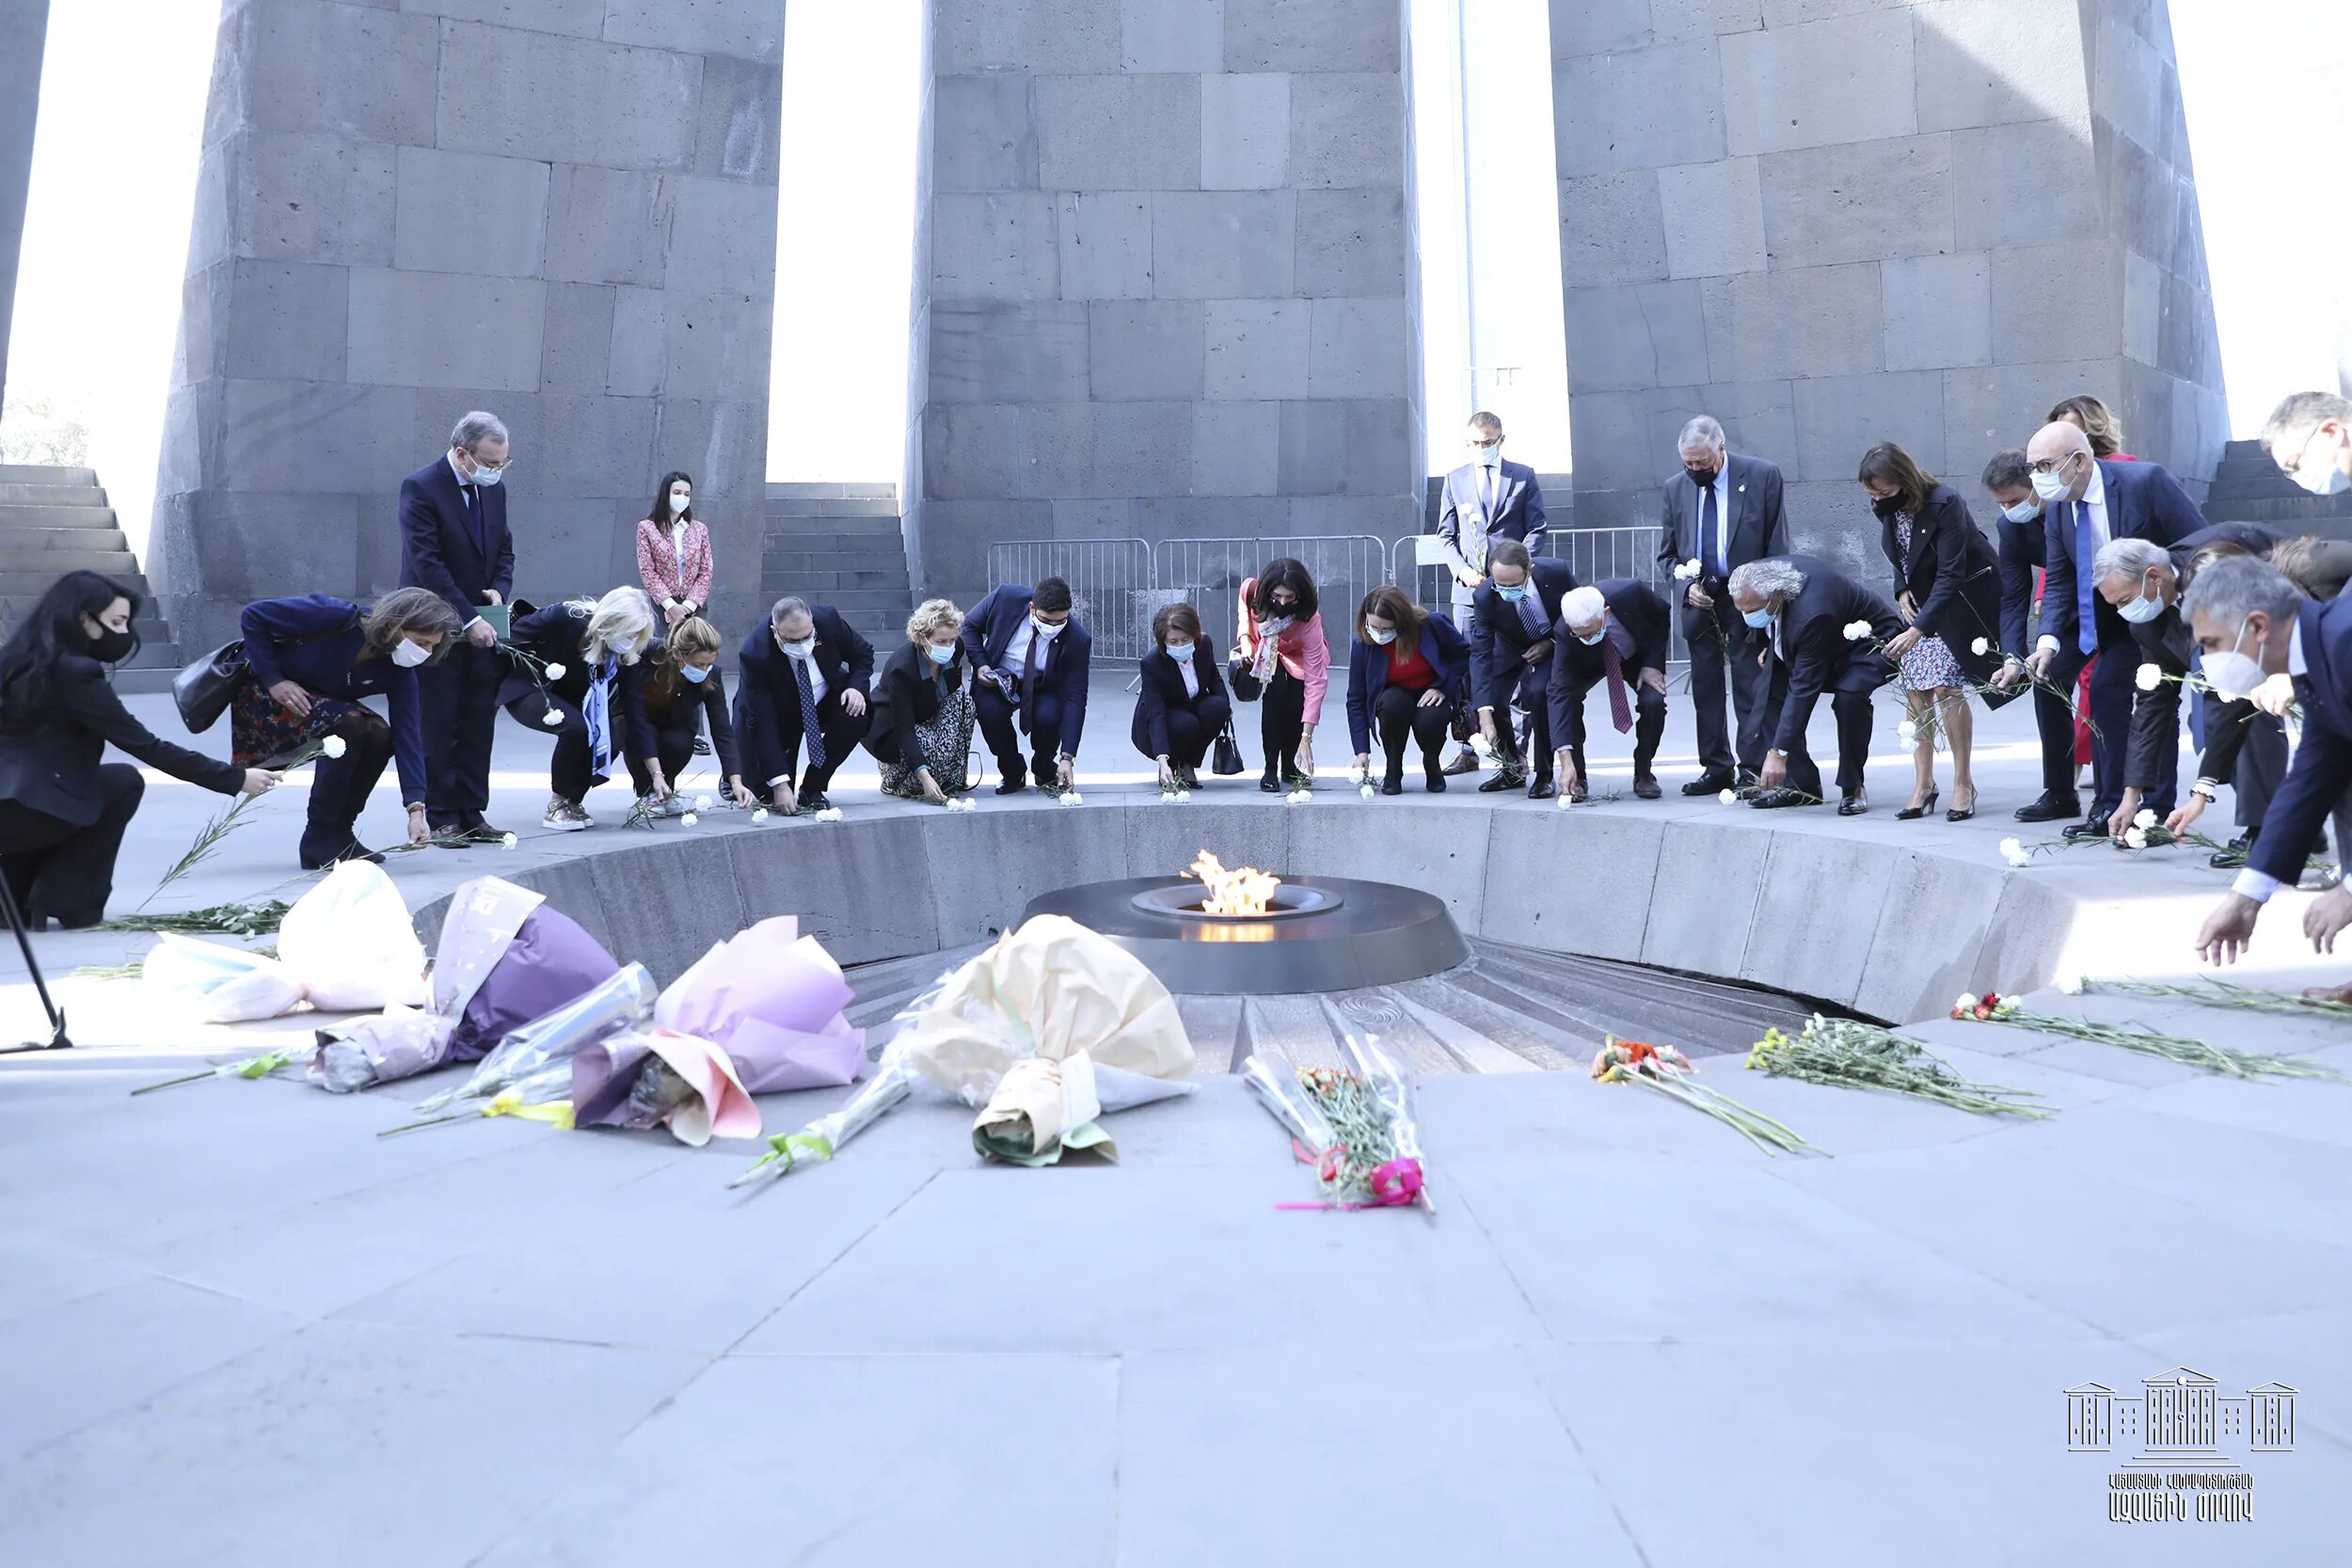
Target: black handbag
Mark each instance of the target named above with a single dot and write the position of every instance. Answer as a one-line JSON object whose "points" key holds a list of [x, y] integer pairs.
{"points": [[1226, 755], [204, 690], [1243, 680]]}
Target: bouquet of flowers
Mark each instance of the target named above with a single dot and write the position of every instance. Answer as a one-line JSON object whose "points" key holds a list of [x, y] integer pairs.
{"points": [[346, 945], [1669, 1071], [1852, 1055], [1993, 1008], [772, 1001], [620, 1003], [1353, 1126], [645, 1078]]}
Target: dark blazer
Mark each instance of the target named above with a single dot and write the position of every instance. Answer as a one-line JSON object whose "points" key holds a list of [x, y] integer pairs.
{"points": [[439, 549], [1758, 526], [1954, 580], [1518, 514], [1495, 663], [2143, 501], [2022, 546], [315, 643], [2167, 643], [554, 636], [1813, 644], [767, 701], [988, 631], [1161, 687], [674, 710], [1445, 649], [49, 756], [1640, 611], [2322, 768], [905, 694]]}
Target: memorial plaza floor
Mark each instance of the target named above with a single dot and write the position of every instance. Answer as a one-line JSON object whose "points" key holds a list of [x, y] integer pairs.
{"points": [[248, 1331]]}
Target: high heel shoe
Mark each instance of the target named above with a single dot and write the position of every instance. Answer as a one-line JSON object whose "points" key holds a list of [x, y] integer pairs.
{"points": [[1912, 814], [1959, 815]]}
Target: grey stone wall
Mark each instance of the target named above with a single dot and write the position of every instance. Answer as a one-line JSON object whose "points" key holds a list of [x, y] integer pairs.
{"points": [[1164, 283], [1832, 222], [24, 33], [562, 211]]}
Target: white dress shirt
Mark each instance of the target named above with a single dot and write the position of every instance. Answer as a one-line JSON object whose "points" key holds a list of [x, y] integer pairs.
{"points": [[2095, 505], [2250, 884], [1192, 676]]}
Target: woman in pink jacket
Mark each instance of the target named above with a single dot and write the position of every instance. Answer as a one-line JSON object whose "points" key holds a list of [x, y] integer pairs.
{"points": [[1281, 644], [674, 551]]}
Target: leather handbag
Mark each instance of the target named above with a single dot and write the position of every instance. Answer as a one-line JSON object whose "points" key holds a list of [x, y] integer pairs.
{"points": [[204, 690], [1226, 758], [1243, 680]]}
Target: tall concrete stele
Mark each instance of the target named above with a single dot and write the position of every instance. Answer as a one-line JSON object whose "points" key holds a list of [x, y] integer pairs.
{"points": [[1164, 276], [24, 34], [1830, 222], [564, 211]]}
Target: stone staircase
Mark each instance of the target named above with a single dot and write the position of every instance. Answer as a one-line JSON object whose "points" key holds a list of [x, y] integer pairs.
{"points": [[2247, 488], [840, 544], [52, 520]]}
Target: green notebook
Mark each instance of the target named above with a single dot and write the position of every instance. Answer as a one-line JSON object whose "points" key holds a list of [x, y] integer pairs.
{"points": [[502, 619]]}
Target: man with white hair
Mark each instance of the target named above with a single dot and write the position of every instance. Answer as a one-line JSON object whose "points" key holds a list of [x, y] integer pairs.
{"points": [[1615, 633], [1721, 512], [453, 540], [1821, 631], [2309, 437]]}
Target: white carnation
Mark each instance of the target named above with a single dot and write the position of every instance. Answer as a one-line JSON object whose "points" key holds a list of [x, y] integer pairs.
{"points": [[2136, 838], [332, 746], [555, 672], [1980, 647], [1366, 791], [1687, 571], [2149, 677], [2073, 985], [1567, 800], [1070, 797], [960, 803], [1857, 630], [2147, 817], [508, 841], [689, 819], [2013, 851], [704, 803], [1968, 999], [554, 720], [1907, 732], [759, 814], [831, 814], [1727, 797], [1298, 796]]}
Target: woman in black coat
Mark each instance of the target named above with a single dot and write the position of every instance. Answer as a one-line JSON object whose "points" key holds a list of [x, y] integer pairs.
{"points": [[575, 668], [1947, 586], [1181, 707], [923, 714], [62, 811], [685, 692]]}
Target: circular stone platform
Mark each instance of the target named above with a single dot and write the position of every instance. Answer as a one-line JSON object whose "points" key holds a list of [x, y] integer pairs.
{"points": [[1366, 934]]}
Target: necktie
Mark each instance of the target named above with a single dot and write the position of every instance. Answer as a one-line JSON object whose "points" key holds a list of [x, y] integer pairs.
{"points": [[1487, 491], [1028, 676], [1613, 662], [1531, 616], [1710, 547], [473, 514], [2087, 634], [811, 733]]}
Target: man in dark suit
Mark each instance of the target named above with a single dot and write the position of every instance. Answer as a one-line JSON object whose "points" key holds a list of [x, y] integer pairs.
{"points": [[2251, 628], [1616, 633], [1483, 502], [453, 540], [1031, 661], [1721, 512], [804, 688], [1820, 631], [2085, 502], [1514, 615], [2023, 541]]}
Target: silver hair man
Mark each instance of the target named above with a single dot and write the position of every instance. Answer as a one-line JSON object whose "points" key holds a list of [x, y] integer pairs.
{"points": [[1583, 608], [787, 609], [475, 428], [1763, 578], [2230, 590], [2131, 558], [1700, 435]]}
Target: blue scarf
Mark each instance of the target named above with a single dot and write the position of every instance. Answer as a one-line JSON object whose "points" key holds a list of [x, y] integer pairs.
{"points": [[597, 708]]}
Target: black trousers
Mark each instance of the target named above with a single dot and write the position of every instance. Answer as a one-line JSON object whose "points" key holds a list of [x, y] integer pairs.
{"points": [[1718, 640], [999, 723], [2111, 689], [1400, 715], [2054, 724], [1282, 721], [58, 869], [1848, 693], [2262, 763], [571, 772], [340, 786], [1532, 691], [673, 744], [459, 700], [1191, 731], [777, 755], [1649, 723]]}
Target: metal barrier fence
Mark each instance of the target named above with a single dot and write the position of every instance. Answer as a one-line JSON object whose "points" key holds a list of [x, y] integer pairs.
{"points": [[1110, 585], [1209, 573]]}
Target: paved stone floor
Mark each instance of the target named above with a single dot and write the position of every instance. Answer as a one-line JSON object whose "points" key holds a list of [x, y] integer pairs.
{"points": [[249, 1332]]}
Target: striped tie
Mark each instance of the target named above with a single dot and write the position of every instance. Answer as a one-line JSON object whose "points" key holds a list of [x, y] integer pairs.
{"points": [[811, 733]]}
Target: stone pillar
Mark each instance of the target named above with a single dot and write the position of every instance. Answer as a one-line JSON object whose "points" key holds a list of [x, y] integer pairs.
{"points": [[1164, 280], [24, 32], [564, 214], [1922, 223]]}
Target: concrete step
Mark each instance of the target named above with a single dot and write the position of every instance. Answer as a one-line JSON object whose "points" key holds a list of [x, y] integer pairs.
{"points": [[879, 601], [833, 490], [30, 543], [130, 681], [29, 586], [836, 560], [16, 517], [835, 533], [42, 473], [875, 506], [775, 582], [43, 566], [51, 495]]}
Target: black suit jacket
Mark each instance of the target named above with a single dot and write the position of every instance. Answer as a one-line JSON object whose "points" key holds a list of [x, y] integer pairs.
{"points": [[49, 755], [2322, 768], [1642, 611], [1496, 665], [1161, 688], [2165, 642], [2143, 501], [906, 693], [1813, 644], [553, 636], [988, 631], [1756, 523], [437, 547], [677, 709], [768, 699], [1954, 580], [2022, 546]]}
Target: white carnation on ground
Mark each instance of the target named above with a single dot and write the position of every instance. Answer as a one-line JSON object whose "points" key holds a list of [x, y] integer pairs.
{"points": [[1727, 797], [960, 803], [831, 814], [759, 814], [2013, 851], [2073, 985], [508, 841], [332, 746], [2149, 677], [1297, 797], [704, 803], [2136, 838], [1567, 800], [1070, 797], [1183, 795], [1366, 791], [1980, 647], [555, 672], [689, 819]]}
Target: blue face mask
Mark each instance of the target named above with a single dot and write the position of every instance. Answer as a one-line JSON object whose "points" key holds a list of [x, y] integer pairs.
{"points": [[2139, 609], [694, 675], [1759, 618], [1380, 637], [2024, 512], [1512, 596], [1177, 650], [943, 655]]}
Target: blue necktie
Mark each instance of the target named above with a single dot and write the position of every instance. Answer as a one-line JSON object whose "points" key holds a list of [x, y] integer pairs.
{"points": [[811, 733], [1710, 541], [2087, 638], [473, 514]]}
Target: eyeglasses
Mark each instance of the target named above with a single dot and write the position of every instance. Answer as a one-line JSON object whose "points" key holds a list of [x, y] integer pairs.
{"points": [[2051, 465], [1482, 444]]}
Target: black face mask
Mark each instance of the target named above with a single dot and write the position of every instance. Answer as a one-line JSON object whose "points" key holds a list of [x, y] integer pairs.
{"points": [[1702, 477], [112, 647]]}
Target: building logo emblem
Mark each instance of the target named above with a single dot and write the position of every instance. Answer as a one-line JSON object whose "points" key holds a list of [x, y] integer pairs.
{"points": [[2182, 1433]]}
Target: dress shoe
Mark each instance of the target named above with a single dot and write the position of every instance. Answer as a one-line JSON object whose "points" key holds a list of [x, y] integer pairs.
{"points": [[1912, 814], [1543, 789], [1188, 778], [1500, 783], [1013, 787], [449, 835], [1392, 785], [1434, 781], [2051, 806], [2074, 832], [1708, 784], [1646, 787], [814, 799], [702, 746], [1773, 799], [1465, 761], [352, 850], [481, 833], [1962, 814], [1854, 805], [1271, 784], [2234, 854]]}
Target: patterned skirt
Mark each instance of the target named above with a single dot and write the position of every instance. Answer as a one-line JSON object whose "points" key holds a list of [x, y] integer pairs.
{"points": [[944, 740], [262, 733], [1928, 665]]}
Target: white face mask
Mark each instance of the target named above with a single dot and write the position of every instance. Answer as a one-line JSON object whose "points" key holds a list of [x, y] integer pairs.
{"points": [[1380, 637], [1177, 650], [1487, 457], [1047, 629], [483, 474], [2050, 487], [2321, 477], [2233, 675], [408, 654], [2141, 608], [2024, 512], [680, 501], [797, 650], [1589, 642]]}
